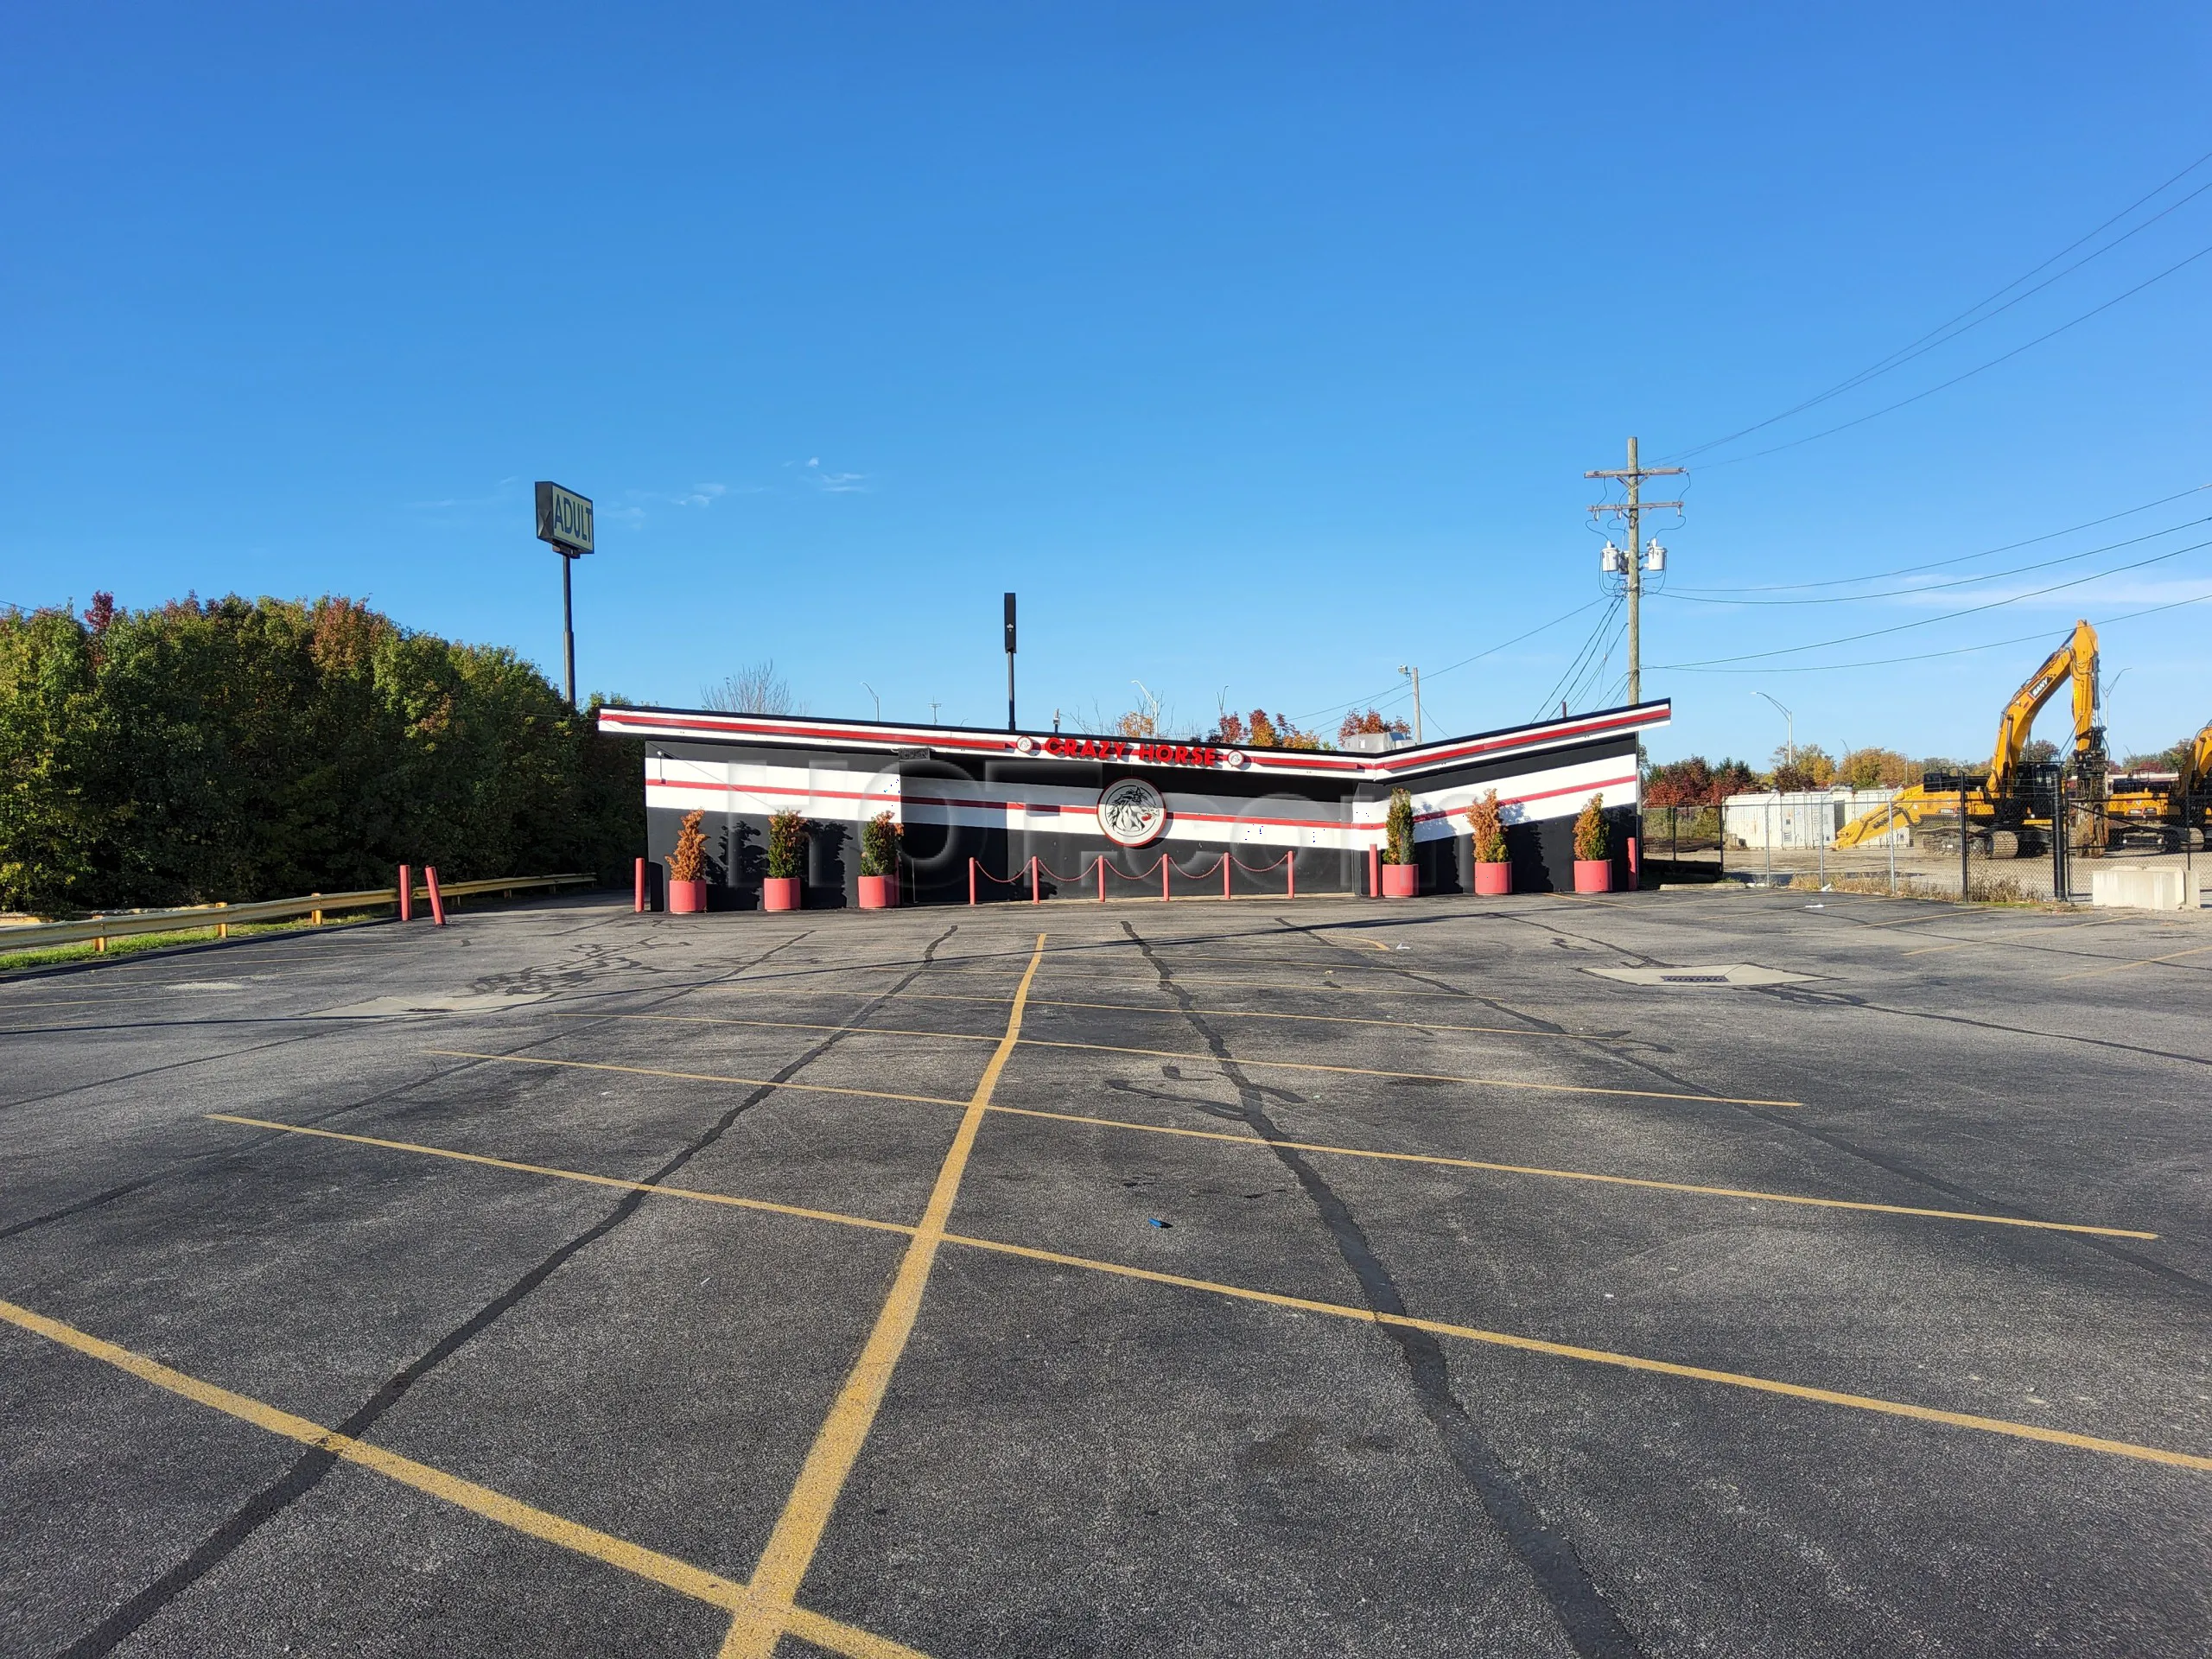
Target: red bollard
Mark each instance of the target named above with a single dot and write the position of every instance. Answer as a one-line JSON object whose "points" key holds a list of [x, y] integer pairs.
{"points": [[1290, 864], [1035, 896], [971, 880], [1225, 862], [641, 887], [1163, 878], [1102, 877], [437, 902], [406, 892], [1632, 861], [1374, 872]]}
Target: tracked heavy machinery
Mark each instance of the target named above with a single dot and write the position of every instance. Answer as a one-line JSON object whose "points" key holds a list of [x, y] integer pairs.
{"points": [[2009, 812], [2162, 812]]}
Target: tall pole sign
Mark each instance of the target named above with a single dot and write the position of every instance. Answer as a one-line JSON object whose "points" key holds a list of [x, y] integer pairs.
{"points": [[564, 522], [1010, 662]]}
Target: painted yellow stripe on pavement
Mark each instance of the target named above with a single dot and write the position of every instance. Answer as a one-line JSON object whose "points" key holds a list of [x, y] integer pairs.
{"points": [[1605, 1356], [1419, 1077], [2122, 1448], [757, 1627], [666, 1571], [1753, 1193], [800, 1210], [2144, 961], [1260, 1014], [695, 1077], [780, 1025]]}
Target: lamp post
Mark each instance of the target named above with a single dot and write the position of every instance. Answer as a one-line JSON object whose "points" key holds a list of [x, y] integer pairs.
{"points": [[2104, 699], [870, 690], [1789, 743], [1413, 674]]}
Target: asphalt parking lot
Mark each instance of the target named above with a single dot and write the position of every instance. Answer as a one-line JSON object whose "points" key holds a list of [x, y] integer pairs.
{"points": [[1724, 1272]]}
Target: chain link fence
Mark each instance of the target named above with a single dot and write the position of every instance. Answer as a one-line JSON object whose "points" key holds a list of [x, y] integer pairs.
{"points": [[2042, 844]]}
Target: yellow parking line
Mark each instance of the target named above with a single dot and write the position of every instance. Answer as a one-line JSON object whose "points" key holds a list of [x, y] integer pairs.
{"points": [[758, 1625], [1755, 1194], [1123, 1007], [667, 1571], [2145, 961], [694, 1193], [695, 1077], [778, 1024], [1533, 1345], [1419, 1077], [1605, 1356], [2006, 933]]}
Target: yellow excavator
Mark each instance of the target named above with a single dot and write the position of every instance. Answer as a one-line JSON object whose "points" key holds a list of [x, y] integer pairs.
{"points": [[2164, 814], [2008, 811]]}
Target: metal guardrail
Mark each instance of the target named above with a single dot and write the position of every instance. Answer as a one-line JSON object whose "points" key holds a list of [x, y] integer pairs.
{"points": [[221, 918]]}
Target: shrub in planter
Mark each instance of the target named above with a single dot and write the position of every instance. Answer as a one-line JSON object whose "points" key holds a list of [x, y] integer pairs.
{"points": [[1593, 847], [687, 868], [1493, 874], [1399, 879], [787, 833], [879, 862]]}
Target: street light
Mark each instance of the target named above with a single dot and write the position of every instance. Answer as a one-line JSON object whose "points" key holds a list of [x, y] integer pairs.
{"points": [[1789, 745], [870, 690]]}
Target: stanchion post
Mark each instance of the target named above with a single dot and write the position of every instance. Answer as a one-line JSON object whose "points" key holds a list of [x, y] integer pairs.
{"points": [[972, 882], [407, 892], [1374, 872], [1102, 877], [1227, 860], [1290, 868], [437, 900], [1036, 895], [639, 901], [1163, 878]]}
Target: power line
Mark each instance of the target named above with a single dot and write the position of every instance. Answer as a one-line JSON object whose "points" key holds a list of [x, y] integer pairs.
{"points": [[1943, 333], [1956, 651], [1398, 688], [1963, 558], [1945, 385], [1957, 582], [1948, 616], [1574, 668]]}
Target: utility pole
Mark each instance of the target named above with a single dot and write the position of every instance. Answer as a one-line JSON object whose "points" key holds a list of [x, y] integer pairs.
{"points": [[1010, 662], [1415, 674], [1633, 476]]}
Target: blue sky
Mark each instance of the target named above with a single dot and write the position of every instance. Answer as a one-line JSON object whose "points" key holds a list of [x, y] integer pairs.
{"points": [[1261, 348]]}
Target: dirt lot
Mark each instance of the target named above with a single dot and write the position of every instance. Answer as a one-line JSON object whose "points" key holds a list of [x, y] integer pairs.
{"points": [[1720, 1273]]}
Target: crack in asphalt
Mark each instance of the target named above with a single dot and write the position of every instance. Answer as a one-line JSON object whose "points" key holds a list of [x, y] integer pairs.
{"points": [[1591, 1625], [307, 1471]]}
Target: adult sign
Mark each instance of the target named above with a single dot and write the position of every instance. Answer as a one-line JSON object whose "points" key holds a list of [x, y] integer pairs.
{"points": [[564, 519]]}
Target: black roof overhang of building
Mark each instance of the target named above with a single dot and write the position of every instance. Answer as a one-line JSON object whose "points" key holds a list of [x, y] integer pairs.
{"points": [[892, 739]]}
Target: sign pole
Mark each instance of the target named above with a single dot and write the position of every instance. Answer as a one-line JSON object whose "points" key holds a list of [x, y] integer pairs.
{"points": [[569, 629], [564, 524]]}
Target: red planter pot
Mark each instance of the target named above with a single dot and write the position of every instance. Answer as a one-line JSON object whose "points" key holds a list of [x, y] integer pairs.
{"points": [[1593, 875], [877, 892], [1400, 881], [779, 893], [1492, 880], [687, 897]]}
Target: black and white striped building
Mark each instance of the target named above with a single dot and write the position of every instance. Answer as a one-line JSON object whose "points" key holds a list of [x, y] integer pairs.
{"points": [[1069, 801]]}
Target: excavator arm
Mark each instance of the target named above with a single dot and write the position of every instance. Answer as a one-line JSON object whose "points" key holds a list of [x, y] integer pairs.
{"points": [[2196, 763], [2075, 660]]}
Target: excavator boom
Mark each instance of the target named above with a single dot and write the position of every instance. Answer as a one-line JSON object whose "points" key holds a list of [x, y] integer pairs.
{"points": [[2075, 660]]}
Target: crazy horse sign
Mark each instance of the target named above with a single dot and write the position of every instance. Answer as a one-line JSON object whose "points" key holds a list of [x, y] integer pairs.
{"points": [[994, 801]]}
